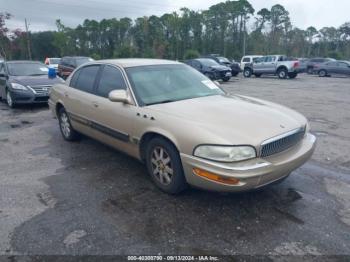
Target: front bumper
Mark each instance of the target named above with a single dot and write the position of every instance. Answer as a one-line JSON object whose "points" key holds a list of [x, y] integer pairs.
{"points": [[28, 97], [253, 173]]}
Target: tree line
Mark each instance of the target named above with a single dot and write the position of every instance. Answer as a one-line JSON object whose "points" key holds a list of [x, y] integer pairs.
{"points": [[230, 28]]}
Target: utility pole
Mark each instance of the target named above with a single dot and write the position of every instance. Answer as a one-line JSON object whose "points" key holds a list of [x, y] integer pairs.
{"points": [[28, 39], [244, 36]]}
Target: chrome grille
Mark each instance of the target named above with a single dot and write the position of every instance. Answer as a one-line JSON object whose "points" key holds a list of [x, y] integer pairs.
{"points": [[281, 143], [41, 90]]}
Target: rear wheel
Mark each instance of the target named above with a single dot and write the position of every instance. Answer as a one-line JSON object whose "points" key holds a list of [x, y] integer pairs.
{"points": [[164, 166], [9, 99], [310, 70], [322, 73], [226, 79], [66, 128], [282, 73], [247, 72], [257, 75]]}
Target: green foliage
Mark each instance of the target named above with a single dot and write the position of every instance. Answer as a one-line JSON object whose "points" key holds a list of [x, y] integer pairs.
{"points": [[191, 54], [223, 28], [335, 55]]}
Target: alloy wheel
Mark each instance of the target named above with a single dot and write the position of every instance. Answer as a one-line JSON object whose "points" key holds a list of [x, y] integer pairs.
{"points": [[162, 166], [9, 99], [65, 125]]}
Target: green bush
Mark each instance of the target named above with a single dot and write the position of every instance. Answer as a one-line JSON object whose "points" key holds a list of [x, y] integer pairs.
{"points": [[191, 54]]}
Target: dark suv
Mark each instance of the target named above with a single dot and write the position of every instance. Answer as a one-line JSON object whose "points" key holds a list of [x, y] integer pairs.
{"points": [[235, 67], [316, 61], [69, 63], [211, 69]]}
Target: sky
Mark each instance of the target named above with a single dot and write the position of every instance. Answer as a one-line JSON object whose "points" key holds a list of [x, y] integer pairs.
{"points": [[42, 14]]}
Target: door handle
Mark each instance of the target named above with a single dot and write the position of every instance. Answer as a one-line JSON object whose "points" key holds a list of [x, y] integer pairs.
{"points": [[95, 104], [66, 94]]}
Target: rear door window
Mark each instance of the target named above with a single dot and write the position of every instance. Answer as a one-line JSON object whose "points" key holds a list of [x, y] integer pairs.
{"points": [[246, 60], [111, 79], [86, 79]]}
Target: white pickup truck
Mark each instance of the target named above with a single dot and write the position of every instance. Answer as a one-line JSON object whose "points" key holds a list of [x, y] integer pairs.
{"points": [[278, 65]]}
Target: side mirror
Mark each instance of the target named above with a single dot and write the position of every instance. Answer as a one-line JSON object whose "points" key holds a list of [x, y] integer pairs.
{"points": [[120, 96]]}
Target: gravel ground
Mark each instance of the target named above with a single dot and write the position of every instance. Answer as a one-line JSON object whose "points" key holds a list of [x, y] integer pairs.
{"points": [[60, 198]]}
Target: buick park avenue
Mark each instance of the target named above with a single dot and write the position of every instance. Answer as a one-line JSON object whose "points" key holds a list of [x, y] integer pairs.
{"points": [[179, 123]]}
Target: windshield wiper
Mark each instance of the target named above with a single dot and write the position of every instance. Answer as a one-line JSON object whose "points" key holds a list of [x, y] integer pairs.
{"points": [[36, 74], [161, 102]]}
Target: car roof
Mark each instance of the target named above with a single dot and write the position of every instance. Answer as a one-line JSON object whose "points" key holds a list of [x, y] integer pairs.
{"points": [[133, 62], [22, 61]]}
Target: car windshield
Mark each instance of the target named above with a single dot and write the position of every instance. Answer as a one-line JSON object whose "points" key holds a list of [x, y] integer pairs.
{"points": [[223, 60], [208, 62], [27, 69], [169, 83], [55, 60], [83, 60]]}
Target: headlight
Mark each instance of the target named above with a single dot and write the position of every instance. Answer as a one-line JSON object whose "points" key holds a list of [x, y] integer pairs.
{"points": [[225, 153], [18, 86]]}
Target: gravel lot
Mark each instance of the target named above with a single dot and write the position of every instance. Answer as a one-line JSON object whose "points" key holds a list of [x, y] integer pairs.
{"points": [[59, 198]]}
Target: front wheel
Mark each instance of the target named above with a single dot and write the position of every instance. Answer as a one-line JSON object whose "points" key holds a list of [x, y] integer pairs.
{"points": [[322, 73], [66, 128], [226, 79], [257, 75], [9, 99], [310, 70], [164, 166], [247, 72], [282, 73]]}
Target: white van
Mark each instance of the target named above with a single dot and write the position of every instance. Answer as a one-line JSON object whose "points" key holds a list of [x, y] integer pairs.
{"points": [[248, 59]]}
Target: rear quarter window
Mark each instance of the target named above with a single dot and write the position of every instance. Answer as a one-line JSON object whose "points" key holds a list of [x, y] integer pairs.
{"points": [[246, 60], [86, 78]]}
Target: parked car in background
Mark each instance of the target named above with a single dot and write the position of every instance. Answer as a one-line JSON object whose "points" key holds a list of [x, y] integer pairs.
{"points": [[315, 61], [248, 59], [181, 125], [211, 69], [279, 65], [52, 62], [235, 67], [332, 68], [69, 63], [25, 82], [303, 64]]}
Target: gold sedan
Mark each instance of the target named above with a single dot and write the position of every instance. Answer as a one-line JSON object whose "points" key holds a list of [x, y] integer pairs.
{"points": [[182, 125]]}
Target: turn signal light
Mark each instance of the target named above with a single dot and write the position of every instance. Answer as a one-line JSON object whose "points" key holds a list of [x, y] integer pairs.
{"points": [[214, 177]]}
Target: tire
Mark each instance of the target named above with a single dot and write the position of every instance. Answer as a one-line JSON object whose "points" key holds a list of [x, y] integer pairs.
{"points": [[292, 75], [66, 128], [282, 73], [9, 99], [322, 73], [247, 72], [310, 70], [209, 76], [164, 166], [257, 75], [235, 74], [226, 79]]}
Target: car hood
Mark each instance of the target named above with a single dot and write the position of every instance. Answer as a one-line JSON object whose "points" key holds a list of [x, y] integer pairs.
{"points": [[236, 119], [35, 80], [220, 68]]}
